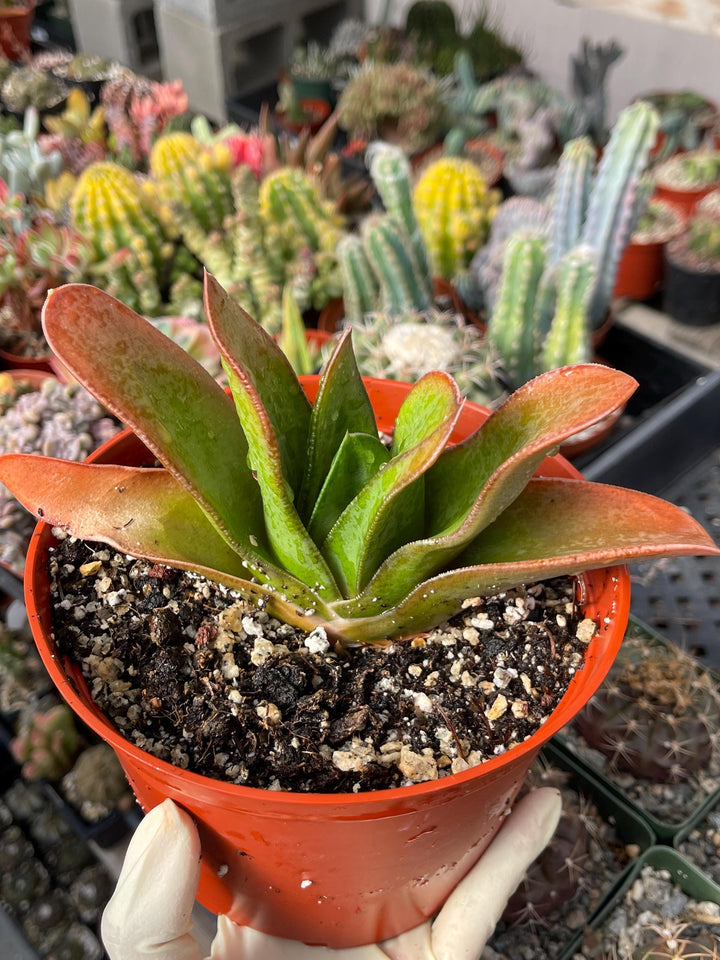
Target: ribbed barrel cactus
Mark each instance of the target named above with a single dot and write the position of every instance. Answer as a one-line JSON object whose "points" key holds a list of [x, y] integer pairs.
{"points": [[454, 208], [301, 507]]}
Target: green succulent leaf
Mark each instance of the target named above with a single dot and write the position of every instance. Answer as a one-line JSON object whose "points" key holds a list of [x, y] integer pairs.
{"points": [[171, 403], [357, 461], [555, 527], [389, 509], [275, 415], [342, 406], [474, 481]]}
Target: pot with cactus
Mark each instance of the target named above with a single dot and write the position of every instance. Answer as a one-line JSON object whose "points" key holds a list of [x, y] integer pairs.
{"points": [[16, 17], [312, 70], [640, 271], [32, 87], [686, 178], [685, 118], [395, 102], [692, 267], [339, 552]]}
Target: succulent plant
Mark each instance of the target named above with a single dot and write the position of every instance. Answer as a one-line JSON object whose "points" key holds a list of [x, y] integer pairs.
{"points": [[22, 675], [14, 848], [589, 77], [96, 784], [396, 102], [46, 743], [24, 885], [684, 118], [535, 326], [699, 168], [137, 111], [283, 522], [90, 891], [129, 232], [454, 209], [313, 62], [24, 166], [48, 920], [658, 714], [30, 87], [704, 237], [406, 347], [675, 941]]}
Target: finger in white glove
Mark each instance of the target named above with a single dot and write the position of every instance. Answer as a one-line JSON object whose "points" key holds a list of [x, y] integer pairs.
{"points": [[234, 942], [473, 909], [149, 915]]}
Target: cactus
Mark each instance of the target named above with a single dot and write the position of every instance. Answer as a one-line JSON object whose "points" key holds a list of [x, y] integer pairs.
{"points": [[402, 283], [568, 340], [454, 209], [589, 77], [47, 743], [299, 229], [31, 87], [128, 233], [24, 166], [390, 173], [408, 346], [193, 182], [616, 199], [658, 714], [670, 942], [393, 101], [96, 784], [704, 238]]}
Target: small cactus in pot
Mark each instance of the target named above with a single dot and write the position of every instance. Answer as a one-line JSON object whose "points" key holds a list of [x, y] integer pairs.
{"points": [[657, 716], [46, 744]]}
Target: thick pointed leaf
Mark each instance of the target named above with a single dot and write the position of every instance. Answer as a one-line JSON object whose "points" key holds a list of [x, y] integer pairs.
{"points": [[555, 527], [275, 416], [169, 400], [147, 513], [342, 406], [357, 461], [473, 482], [590, 523], [387, 511]]}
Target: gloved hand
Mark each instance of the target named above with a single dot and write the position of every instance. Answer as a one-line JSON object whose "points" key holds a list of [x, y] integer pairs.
{"points": [[149, 915]]}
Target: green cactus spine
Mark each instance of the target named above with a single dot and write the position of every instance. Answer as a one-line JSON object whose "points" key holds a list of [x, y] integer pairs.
{"points": [[512, 330], [126, 230], [454, 209], [403, 284], [390, 172], [568, 340], [360, 288], [612, 206]]}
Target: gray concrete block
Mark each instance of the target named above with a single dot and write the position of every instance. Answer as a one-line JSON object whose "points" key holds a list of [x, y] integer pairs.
{"points": [[122, 30], [222, 13]]}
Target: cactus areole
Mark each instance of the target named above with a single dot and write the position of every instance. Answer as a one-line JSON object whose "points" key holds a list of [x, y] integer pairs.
{"points": [[253, 494]]}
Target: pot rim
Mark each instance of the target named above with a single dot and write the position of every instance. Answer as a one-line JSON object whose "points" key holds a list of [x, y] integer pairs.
{"points": [[600, 656]]}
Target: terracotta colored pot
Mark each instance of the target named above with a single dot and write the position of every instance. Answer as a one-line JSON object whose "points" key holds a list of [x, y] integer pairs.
{"points": [[641, 269], [316, 113], [346, 869], [30, 375], [15, 23], [14, 361]]}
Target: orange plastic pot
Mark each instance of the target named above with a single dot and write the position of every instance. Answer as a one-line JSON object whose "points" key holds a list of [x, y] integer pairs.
{"points": [[15, 24], [337, 869], [685, 200]]}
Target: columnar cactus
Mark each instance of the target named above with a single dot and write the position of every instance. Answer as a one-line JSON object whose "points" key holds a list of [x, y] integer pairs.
{"points": [[127, 230], [403, 284], [454, 208], [568, 340], [513, 330], [193, 181]]}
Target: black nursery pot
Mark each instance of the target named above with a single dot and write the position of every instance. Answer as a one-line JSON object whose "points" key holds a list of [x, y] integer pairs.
{"points": [[691, 296]]}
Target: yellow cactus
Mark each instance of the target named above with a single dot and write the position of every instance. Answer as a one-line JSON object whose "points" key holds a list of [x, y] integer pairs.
{"points": [[454, 209], [119, 216], [77, 121]]}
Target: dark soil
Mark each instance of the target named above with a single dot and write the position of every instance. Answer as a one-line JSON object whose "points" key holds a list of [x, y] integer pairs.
{"points": [[198, 677]]}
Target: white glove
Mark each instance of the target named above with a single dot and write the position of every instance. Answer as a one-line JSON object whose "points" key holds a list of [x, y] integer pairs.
{"points": [[149, 915]]}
